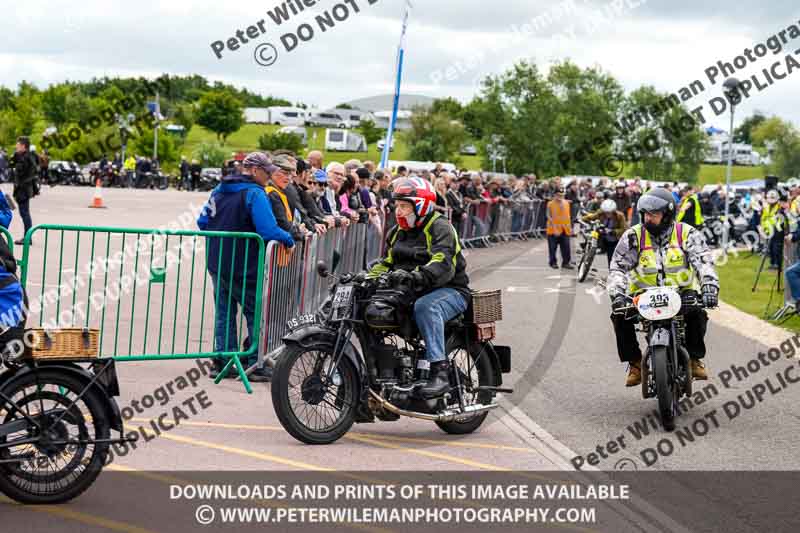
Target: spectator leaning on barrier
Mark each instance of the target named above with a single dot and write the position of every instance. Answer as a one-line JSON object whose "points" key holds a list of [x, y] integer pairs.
{"points": [[559, 229], [25, 175], [279, 180], [239, 203]]}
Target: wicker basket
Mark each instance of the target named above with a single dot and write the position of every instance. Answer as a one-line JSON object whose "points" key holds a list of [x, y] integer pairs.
{"points": [[64, 343], [487, 306]]}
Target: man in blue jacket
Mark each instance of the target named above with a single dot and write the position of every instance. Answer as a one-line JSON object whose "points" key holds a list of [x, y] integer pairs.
{"points": [[239, 204]]}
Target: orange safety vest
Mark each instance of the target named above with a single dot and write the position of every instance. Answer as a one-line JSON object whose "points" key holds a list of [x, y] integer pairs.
{"points": [[269, 189], [558, 220]]}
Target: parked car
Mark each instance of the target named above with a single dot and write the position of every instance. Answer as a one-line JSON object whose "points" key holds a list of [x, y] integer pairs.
{"points": [[382, 144]]}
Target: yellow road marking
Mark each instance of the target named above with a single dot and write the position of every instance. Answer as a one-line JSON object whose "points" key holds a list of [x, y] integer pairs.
{"points": [[247, 453], [84, 518], [359, 434], [435, 455]]}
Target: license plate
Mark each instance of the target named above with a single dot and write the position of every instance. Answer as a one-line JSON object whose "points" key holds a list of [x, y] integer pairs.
{"points": [[341, 301], [301, 321]]}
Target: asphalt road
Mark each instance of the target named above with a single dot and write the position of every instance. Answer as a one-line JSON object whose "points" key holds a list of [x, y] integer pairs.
{"points": [[569, 395]]}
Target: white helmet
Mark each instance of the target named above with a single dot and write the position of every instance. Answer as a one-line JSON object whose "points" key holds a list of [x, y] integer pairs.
{"points": [[608, 206], [772, 196]]}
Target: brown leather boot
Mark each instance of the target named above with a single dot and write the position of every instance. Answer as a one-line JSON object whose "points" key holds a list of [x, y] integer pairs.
{"points": [[699, 370], [634, 375]]}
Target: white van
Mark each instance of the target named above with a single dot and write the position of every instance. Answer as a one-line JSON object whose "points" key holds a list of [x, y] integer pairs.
{"points": [[287, 116], [331, 119], [338, 140]]}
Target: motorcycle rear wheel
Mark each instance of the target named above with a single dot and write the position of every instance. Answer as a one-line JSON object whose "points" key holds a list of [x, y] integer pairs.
{"points": [[475, 369], [665, 387], [307, 409], [53, 473]]}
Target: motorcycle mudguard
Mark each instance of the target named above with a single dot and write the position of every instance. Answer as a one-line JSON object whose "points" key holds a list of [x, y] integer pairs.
{"points": [[307, 336], [110, 405], [660, 337]]}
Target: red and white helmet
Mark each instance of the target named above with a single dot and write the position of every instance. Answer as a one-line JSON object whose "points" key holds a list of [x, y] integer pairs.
{"points": [[420, 193]]}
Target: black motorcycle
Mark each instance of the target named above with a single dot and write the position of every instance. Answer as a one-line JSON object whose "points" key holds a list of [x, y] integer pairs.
{"points": [[55, 427], [322, 384], [666, 369]]}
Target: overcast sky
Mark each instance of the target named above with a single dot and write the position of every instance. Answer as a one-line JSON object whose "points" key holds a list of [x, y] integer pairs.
{"points": [[663, 43]]}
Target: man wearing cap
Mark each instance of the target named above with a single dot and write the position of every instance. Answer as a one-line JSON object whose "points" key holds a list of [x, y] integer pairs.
{"points": [[25, 173], [239, 203], [286, 215]]}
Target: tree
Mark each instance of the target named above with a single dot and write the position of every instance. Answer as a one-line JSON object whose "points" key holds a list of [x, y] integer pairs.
{"points": [[786, 139], [370, 131], [220, 112], [6, 98], [280, 141], [143, 144], [344, 106], [184, 115], [9, 128], [434, 137], [449, 106], [27, 112], [743, 134]]}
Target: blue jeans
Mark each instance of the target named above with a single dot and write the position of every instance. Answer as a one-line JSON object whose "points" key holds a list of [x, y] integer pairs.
{"points": [[225, 334], [431, 312], [793, 280]]}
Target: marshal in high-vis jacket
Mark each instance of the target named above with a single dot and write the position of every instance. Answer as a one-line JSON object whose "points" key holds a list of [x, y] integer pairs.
{"points": [[433, 248]]}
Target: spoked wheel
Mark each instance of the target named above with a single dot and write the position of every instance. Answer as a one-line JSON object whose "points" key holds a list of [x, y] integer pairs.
{"points": [[311, 408], [60, 464], [585, 266], [667, 388], [474, 369]]}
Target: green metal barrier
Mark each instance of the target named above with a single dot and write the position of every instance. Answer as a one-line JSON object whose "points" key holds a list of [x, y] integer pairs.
{"points": [[9, 238], [148, 292]]}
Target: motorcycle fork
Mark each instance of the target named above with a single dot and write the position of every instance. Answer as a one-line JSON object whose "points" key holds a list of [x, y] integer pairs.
{"points": [[337, 351]]}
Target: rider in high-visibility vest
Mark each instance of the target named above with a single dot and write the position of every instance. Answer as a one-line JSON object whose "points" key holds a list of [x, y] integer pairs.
{"points": [[690, 211], [687, 264]]}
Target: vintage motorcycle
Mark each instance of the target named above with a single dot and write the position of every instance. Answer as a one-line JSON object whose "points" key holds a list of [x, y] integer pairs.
{"points": [[666, 371], [56, 419], [322, 383], [591, 234]]}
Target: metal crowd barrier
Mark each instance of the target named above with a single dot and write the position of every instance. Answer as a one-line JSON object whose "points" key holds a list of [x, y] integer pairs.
{"points": [[149, 294], [486, 223]]}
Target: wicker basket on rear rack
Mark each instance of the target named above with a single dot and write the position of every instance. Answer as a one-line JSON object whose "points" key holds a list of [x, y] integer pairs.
{"points": [[487, 308], [65, 343]]}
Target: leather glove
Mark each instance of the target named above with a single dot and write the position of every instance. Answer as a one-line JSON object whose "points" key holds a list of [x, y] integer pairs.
{"points": [[400, 277], [710, 296], [617, 305]]}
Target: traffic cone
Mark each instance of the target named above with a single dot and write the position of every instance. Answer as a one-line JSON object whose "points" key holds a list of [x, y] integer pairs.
{"points": [[97, 201]]}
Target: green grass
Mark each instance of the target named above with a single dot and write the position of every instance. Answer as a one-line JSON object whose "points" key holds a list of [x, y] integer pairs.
{"points": [[715, 174], [246, 139], [736, 283]]}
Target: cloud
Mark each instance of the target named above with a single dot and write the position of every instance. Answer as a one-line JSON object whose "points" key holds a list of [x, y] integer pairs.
{"points": [[451, 43]]}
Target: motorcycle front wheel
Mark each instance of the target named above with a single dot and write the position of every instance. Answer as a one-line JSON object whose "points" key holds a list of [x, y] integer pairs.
{"points": [[585, 266], [474, 369], [63, 461], [666, 387], [308, 407]]}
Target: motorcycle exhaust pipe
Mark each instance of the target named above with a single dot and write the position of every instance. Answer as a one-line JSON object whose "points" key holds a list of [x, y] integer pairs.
{"points": [[448, 415]]}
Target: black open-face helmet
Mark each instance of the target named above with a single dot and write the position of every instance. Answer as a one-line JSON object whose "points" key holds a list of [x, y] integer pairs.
{"points": [[657, 200]]}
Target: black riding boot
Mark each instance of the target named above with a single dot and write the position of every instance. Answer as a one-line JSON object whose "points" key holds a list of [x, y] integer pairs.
{"points": [[439, 381]]}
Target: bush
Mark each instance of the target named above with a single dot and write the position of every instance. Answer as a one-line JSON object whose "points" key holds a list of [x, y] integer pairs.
{"points": [[280, 141], [210, 154]]}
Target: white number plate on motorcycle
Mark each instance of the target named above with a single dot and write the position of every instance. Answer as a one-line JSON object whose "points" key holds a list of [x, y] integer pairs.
{"points": [[343, 296], [659, 303]]}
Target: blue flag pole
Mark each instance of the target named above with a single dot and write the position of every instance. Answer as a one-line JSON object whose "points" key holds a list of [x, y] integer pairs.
{"points": [[400, 54]]}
